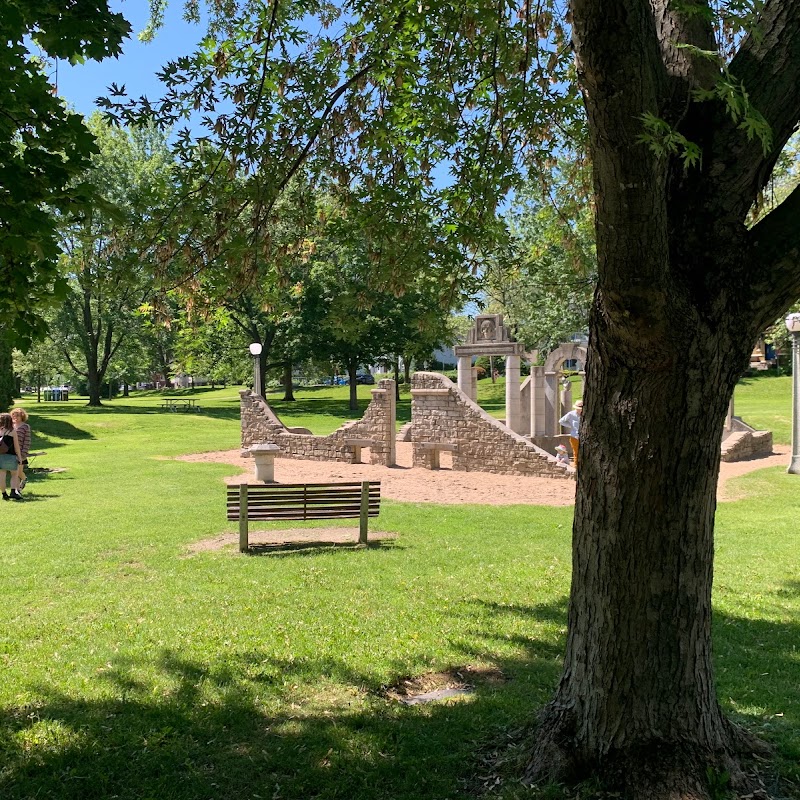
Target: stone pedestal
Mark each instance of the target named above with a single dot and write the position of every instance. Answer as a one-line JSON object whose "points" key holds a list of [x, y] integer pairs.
{"points": [[513, 393], [264, 457]]}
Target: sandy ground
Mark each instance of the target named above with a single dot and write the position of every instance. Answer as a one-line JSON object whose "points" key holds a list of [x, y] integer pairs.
{"points": [[402, 482], [445, 486]]}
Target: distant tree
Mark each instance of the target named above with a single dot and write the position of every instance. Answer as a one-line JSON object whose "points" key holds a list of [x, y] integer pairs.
{"points": [[7, 382], [542, 275], [107, 253]]}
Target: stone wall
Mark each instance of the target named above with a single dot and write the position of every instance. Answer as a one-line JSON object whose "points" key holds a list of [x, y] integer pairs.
{"points": [[741, 445], [260, 425], [441, 412]]}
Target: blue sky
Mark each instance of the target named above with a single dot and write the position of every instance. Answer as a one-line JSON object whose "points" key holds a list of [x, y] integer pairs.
{"points": [[137, 66]]}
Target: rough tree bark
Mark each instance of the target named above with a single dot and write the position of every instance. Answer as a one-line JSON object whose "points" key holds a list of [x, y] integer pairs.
{"points": [[685, 287]]}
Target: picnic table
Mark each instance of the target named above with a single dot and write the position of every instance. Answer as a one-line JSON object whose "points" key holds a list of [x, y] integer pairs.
{"points": [[180, 404]]}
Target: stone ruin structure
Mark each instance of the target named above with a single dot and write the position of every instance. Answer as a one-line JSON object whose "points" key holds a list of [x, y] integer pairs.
{"points": [[489, 337], [375, 430], [446, 418], [441, 413]]}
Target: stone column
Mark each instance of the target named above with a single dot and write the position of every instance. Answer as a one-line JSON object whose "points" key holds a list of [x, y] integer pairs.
{"points": [[474, 391], [566, 399], [729, 418], [465, 374], [537, 401], [391, 426], [551, 405], [512, 393]]}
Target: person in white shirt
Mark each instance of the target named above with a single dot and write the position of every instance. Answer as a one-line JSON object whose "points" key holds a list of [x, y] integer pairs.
{"points": [[572, 422]]}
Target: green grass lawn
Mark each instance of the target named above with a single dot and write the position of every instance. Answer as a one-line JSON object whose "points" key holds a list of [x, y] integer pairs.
{"points": [[765, 403], [131, 668]]}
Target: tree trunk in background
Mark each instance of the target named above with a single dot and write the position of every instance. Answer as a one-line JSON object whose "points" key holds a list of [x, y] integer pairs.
{"points": [[125, 389], [396, 368], [93, 382], [352, 368], [6, 374], [407, 371], [288, 387]]}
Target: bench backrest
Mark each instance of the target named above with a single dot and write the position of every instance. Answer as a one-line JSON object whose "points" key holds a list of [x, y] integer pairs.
{"points": [[304, 501]]}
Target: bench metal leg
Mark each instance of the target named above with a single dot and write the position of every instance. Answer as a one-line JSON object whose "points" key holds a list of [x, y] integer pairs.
{"points": [[244, 539], [364, 518]]}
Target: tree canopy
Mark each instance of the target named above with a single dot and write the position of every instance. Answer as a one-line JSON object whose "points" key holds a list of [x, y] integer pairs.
{"points": [[44, 148]]}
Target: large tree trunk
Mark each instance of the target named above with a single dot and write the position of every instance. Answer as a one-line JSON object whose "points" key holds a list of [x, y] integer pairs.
{"points": [[93, 382], [636, 702], [684, 289], [352, 368]]}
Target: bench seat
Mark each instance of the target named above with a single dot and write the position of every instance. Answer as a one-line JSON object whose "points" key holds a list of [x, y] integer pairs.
{"points": [[303, 501]]}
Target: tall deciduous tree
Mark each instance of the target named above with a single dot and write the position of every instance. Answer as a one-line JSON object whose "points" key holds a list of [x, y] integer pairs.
{"points": [[43, 147], [107, 253]]}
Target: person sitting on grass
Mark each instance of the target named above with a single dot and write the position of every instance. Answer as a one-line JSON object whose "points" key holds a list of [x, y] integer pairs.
{"points": [[20, 417], [11, 458]]}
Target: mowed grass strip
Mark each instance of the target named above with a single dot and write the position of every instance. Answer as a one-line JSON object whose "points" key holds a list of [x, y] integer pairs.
{"points": [[133, 668]]}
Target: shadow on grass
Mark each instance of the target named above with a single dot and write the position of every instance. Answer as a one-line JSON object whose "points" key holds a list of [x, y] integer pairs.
{"points": [[258, 725], [50, 415], [317, 547], [47, 431]]}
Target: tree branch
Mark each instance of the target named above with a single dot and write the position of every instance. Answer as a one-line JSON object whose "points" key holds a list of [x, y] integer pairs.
{"points": [[768, 65], [775, 243], [622, 74]]}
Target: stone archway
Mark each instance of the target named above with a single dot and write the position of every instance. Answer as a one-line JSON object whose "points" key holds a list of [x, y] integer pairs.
{"points": [[547, 400], [489, 337]]}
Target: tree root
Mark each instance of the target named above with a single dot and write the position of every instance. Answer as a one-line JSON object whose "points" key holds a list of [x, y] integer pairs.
{"points": [[654, 770]]}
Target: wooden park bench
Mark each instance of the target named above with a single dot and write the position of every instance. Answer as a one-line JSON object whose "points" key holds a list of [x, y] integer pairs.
{"points": [[303, 501]]}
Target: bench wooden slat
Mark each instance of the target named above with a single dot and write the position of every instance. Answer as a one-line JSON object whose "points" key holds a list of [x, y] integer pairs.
{"points": [[300, 513], [299, 517], [353, 505], [299, 501], [295, 496], [281, 486]]}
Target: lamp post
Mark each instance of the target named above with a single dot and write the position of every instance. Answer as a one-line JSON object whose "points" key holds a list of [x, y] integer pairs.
{"points": [[255, 351], [793, 326]]}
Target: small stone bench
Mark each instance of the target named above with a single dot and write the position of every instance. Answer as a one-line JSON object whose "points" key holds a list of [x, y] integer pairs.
{"points": [[434, 449], [356, 445], [264, 457]]}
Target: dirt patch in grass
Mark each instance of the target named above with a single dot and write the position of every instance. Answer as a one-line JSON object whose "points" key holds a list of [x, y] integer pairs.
{"points": [[464, 679]]}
